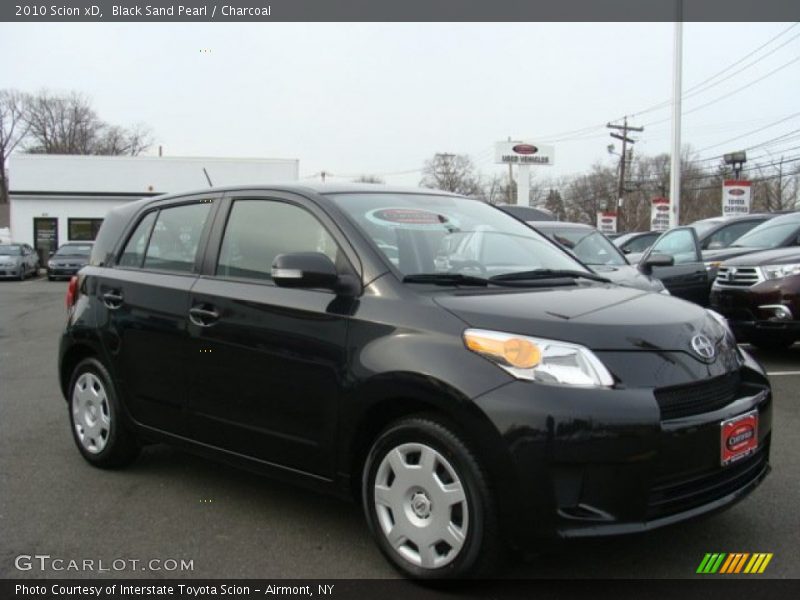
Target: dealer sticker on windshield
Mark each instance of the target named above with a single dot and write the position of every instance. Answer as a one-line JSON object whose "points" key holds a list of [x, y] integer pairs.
{"points": [[739, 437]]}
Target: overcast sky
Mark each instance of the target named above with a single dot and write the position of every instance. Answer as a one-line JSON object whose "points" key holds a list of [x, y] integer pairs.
{"points": [[381, 98]]}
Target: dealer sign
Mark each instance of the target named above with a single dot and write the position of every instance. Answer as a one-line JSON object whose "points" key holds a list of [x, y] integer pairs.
{"points": [[735, 198], [523, 153]]}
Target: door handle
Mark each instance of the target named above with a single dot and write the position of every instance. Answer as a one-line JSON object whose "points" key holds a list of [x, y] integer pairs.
{"points": [[203, 317], [113, 299]]}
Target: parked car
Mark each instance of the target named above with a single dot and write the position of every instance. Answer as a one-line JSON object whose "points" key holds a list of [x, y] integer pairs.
{"points": [[716, 233], [527, 213], [18, 261], [68, 260], [779, 232], [469, 404], [759, 294], [594, 249], [636, 242]]}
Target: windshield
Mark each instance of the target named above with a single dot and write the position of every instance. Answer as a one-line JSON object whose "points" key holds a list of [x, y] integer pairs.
{"points": [[766, 235], [421, 233], [74, 250], [11, 250], [591, 246]]}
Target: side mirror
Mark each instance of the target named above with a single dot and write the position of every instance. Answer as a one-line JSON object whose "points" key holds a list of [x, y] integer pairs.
{"points": [[656, 260], [626, 250], [304, 270]]}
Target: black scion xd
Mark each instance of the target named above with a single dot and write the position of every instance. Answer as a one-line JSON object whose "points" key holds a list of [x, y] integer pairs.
{"points": [[471, 383]]}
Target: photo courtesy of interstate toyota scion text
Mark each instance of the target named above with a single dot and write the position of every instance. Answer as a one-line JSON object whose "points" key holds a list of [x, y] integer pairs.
{"points": [[471, 383]]}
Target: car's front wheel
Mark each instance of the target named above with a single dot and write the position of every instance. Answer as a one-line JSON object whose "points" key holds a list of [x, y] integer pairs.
{"points": [[428, 503], [96, 417]]}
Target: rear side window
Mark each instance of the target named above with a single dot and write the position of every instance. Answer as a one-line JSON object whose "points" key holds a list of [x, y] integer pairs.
{"points": [[258, 230], [175, 238], [133, 255]]}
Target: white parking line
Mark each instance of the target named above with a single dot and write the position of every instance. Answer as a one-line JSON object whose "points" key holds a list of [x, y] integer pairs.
{"points": [[778, 373]]}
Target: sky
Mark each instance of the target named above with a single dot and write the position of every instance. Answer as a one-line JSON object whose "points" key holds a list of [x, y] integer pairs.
{"points": [[381, 98]]}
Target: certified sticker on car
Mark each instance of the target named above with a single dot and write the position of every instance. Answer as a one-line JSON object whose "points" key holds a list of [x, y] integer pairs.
{"points": [[739, 437]]}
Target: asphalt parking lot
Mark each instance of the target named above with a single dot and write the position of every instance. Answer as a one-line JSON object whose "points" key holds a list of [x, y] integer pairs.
{"points": [[171, 505]]}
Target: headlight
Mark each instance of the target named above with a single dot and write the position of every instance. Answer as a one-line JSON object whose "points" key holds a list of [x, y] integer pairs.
{"points": [[51, 264], [780, 271], [536, 359], [713, 264]]}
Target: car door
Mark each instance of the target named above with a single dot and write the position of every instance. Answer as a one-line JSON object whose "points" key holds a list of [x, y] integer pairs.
{"points": [[268, 363], [144, 302], [687, 277]]}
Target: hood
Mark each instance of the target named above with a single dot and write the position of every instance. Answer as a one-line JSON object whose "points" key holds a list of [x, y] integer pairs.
{"points": [[601, 317], [629, 276], [777, 256], [726, 253], [70, 260]]}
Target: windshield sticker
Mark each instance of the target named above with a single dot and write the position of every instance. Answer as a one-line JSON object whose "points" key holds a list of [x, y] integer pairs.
{"points": [[411, 218]]}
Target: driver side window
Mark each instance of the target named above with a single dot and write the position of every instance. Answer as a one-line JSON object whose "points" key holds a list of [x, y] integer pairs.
{"points": [[679, 244]]}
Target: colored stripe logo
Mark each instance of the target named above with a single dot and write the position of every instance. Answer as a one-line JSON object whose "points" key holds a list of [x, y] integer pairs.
{"points": [[733, 563]]}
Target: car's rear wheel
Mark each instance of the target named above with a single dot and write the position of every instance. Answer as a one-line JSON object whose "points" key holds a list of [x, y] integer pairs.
{"points": [[428, 503], [98, 426]]}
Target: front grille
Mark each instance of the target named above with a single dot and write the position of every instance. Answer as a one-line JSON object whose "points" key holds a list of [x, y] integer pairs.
{"points": [[697, 398], [738, 276], [678, 496]]}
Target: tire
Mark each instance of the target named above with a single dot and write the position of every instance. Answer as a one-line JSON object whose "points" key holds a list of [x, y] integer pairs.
{"points": [[427, 538], [96, 418]]}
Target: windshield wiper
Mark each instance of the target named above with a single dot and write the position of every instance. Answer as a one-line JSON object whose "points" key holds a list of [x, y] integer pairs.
{"points": [[445, 279], [548, 274]]}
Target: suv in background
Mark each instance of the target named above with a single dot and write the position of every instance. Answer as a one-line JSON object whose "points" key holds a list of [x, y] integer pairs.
{"points": [[716, 233], [759, 294]]}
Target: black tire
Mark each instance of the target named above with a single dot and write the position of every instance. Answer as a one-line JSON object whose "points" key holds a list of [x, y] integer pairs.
{"points": [[120, 445], [481, 549]]}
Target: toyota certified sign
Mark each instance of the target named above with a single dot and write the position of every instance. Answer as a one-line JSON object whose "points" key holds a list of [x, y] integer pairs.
{"points": [[607, 222], [523, 153], [659, 214], [735, 198]]}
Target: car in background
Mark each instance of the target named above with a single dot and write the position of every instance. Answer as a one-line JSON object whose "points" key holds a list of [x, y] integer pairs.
{"points": [[594, 249], [636, 242], [720, 232], [526, 213], [759, 294], [18, 261], [782, 231], [68, 260]]}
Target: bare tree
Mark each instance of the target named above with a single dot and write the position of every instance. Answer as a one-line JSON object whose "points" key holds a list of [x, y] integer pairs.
{"points": [[452, 173], [67, 124], [13, 130]]}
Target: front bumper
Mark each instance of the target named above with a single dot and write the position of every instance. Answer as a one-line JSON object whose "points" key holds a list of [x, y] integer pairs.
{"points": [[605, 462], [749, 320], [10, 270], [63, 271]]}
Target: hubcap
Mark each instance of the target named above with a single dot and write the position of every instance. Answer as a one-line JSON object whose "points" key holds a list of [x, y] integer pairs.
{"points": [[90, 414], [421, 505]]}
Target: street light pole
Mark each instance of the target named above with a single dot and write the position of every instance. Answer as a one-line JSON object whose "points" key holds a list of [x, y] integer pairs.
{"points": [[675, 170]]}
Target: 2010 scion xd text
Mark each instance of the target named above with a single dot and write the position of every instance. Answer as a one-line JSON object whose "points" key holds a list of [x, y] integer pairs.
{"points": [[471, 383]]}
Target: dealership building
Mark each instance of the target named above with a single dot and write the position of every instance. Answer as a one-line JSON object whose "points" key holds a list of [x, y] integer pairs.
{"points": [[56, 199]]}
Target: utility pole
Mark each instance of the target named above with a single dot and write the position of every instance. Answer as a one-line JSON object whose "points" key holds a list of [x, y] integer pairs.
{"points": [[675, 166], [623, 159], [322, 176], [510, 198]]}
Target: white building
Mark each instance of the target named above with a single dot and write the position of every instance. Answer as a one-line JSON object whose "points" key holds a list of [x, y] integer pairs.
{"points": [[56, 199]]}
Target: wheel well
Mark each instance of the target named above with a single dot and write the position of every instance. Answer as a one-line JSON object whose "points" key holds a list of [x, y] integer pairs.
{"points": [[71, 359], [378, 417]]}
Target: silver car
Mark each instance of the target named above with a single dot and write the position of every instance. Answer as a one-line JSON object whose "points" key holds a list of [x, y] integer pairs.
{"points": [[18, 261]]}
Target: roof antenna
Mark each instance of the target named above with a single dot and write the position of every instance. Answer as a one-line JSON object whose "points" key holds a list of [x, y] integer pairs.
{"points": [[207, 178]]}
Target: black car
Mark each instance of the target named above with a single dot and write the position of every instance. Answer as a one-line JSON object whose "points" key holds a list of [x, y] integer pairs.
{"points": [[470, 404], [68, 260], [594, 249]]}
